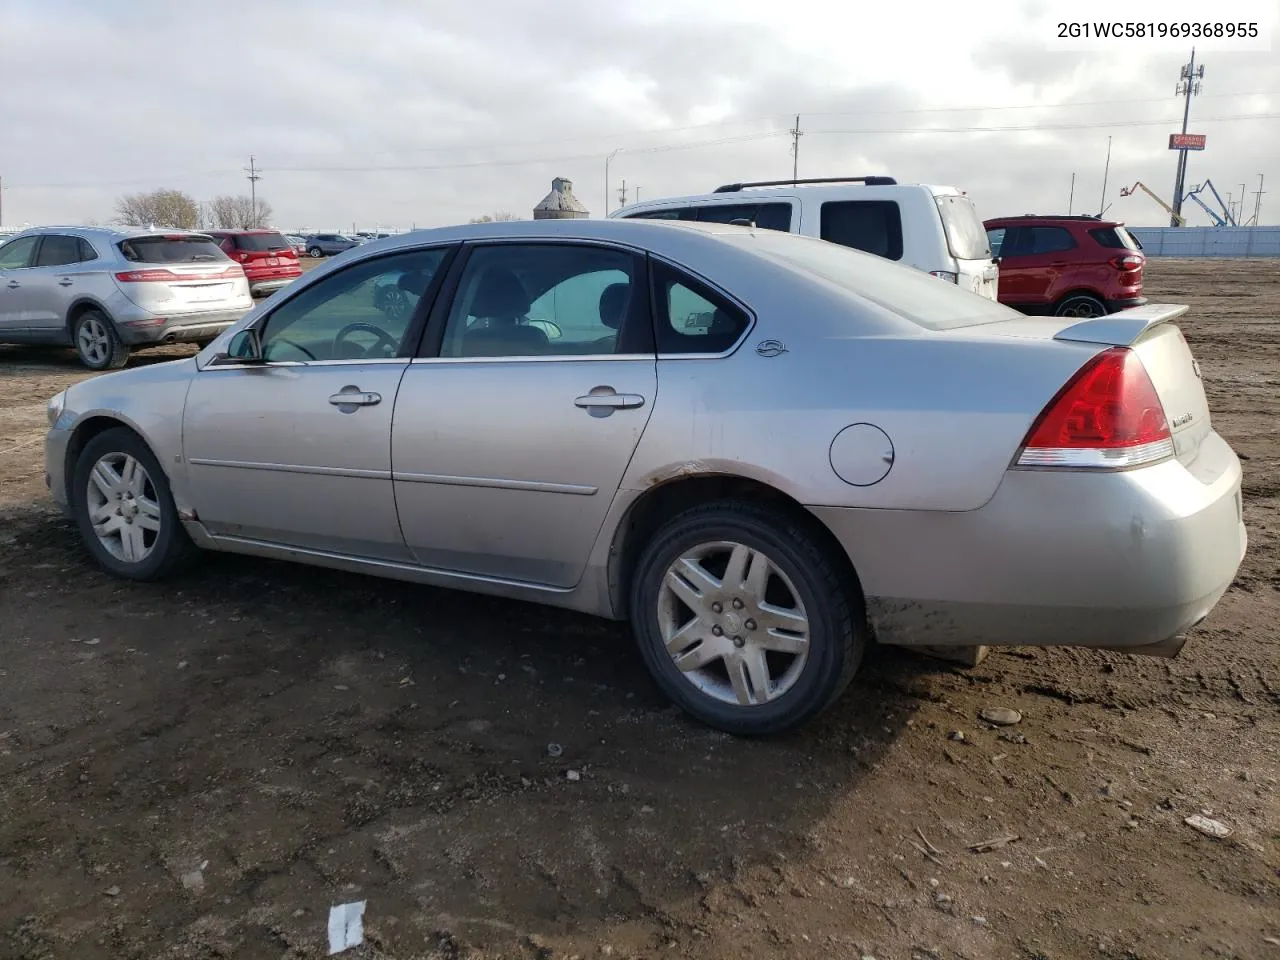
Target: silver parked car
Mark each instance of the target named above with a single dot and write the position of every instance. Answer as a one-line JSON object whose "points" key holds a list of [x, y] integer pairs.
{"points": [[763, 449], [327, 244], [107, 291]]}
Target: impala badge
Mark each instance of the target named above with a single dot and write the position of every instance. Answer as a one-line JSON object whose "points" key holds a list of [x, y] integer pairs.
{"points": [[1181, 420], [770, 348]]}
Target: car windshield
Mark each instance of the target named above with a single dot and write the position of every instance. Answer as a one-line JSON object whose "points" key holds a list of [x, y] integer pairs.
{"points": [[261, 241], [171, 248], [966, 236], [906, 291]]}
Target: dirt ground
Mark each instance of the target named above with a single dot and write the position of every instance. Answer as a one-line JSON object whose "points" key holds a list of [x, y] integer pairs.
{"points": [[201, 769]]}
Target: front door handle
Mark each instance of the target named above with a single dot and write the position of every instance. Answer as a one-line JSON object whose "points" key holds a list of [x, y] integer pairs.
{"points": [[615, 401], [355, 398], [65, 282], [13, 284]]}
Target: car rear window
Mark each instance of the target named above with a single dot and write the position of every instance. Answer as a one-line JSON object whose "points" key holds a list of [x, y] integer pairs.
{"points": [[260, 241], [1115, 238], [966, 236], [171, 248], [906, 291], [873, 226]]}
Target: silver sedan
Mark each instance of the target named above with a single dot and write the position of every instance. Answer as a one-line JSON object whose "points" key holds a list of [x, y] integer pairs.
{"points": [[762, 449]]}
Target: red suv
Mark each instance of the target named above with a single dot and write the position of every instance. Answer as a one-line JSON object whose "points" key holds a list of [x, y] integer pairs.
{"points": [[1077, 266], [268, 259]]}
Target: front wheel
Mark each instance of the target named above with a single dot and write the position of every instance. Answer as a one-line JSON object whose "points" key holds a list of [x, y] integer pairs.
{"points": [[97, 343], [123, 508], [315, 252], [744, 618]]}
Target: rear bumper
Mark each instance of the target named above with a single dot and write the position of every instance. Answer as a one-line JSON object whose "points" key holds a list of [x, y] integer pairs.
{"points": [[260, 288], [188, 329], [1126, 560]]}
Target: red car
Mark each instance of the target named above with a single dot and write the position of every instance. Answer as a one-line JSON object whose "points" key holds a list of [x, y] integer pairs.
{"points": [[268, 259], [1077, 266]]}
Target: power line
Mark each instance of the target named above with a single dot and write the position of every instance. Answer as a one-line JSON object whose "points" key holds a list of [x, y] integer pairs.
{"points": [[660, 148]]}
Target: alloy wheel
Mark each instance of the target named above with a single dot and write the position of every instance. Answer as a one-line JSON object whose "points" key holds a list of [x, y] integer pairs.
{"points": [[93, 340], [124, 507], [733, 623]]}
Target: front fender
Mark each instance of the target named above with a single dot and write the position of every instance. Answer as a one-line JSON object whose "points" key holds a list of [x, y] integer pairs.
{"points": [[149, 401]]}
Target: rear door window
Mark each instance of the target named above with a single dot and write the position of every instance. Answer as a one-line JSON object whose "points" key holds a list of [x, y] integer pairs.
{"points": [[58, 250], [171, 248], [1038, 241], [873, 226], [690, 318]]}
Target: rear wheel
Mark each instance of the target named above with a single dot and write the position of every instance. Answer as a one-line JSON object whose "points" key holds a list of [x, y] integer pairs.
{"points": [[743, 618], [97, 343], [1080, 305], [315, 252], [123, 508]]}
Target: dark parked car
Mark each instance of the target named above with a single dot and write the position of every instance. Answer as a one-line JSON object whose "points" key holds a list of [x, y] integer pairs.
{"points": [[1067, 266], [327, 244]]}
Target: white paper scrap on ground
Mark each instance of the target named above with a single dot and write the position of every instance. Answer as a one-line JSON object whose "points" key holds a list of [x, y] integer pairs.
{"points": [[346, 926]]}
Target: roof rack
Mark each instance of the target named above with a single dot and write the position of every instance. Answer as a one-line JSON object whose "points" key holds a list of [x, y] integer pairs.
{"points": [[869, 181], [1051, 216]]}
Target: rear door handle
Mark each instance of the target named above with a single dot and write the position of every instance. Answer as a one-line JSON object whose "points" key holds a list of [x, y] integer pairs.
{"points": [[616, 401], [65, 282], [13, 284], [355, 399]]}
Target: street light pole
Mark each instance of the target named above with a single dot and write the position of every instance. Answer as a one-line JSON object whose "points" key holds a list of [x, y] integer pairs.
{"points": [[606, 179]]}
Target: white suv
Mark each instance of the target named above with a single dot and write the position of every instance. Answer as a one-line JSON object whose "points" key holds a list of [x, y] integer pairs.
{"points": [[932, 228]]}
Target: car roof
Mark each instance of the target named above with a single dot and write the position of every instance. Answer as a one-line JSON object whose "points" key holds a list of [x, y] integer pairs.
{"points": [[1057, 218], [842, 189], [110, 233]]}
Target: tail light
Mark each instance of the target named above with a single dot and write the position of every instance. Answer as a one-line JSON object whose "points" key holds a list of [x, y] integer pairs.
{"points": [[946, 275], [168, 276], [1124, 264], [1108, 416]]}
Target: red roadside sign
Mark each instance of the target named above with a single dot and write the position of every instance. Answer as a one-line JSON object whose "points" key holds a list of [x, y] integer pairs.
{"points": [[1186, 141]]}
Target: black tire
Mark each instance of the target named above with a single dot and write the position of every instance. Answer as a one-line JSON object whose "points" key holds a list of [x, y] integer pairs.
{"points": [[171, 550], [836, 616], [1081, 305], [113, 355], [315, 252]]}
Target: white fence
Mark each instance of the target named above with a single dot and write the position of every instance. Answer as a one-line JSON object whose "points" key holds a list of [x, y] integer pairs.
{"points": [[1208, 241]]}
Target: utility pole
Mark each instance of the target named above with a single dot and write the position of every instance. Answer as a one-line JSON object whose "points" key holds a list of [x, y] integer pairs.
{"points": [[1102, 204], [1071, 197], [635, 197], [1188, 87], [2, 201], [796, 134], [1240, 210], [253, 178], [1257, 203], [622, 193]]}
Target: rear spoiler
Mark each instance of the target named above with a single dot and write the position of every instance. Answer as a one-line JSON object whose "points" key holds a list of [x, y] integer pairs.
{"points": [[1122, 329]]}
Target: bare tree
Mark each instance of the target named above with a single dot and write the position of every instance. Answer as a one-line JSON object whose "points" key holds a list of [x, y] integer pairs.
{"points": [[237, 213], [499, 216], [161, 208]]}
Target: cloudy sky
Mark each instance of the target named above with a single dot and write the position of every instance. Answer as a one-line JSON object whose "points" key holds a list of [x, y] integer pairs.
{"points": [[433, 111]]}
